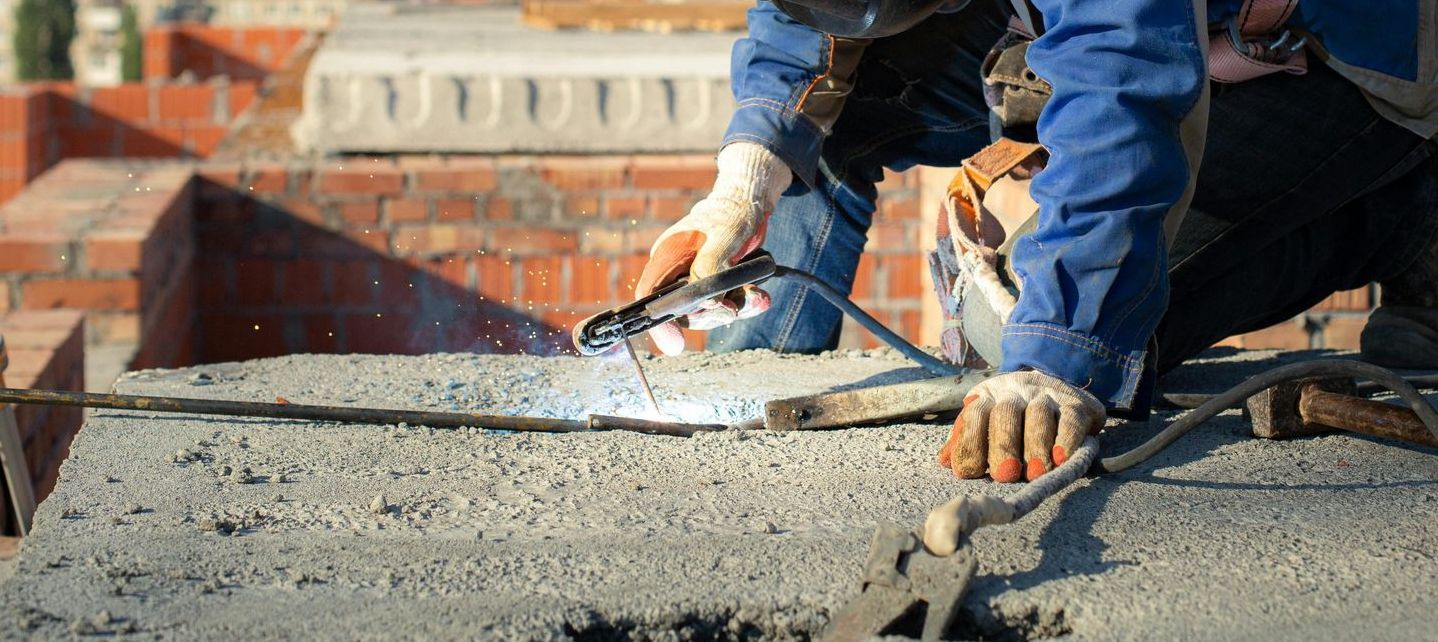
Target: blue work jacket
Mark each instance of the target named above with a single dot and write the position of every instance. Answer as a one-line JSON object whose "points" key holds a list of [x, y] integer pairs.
{"points": [[1124, 129]]}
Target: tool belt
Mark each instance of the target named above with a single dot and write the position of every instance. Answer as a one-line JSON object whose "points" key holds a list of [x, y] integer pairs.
{"points": [[987, 207]]}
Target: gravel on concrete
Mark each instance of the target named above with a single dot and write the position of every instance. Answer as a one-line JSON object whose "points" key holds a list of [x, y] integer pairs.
{"points": [[174, 527]]}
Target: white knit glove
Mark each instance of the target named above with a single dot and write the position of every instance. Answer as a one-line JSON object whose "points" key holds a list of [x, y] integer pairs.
{"points": [[1028, 414], [724, 227]]}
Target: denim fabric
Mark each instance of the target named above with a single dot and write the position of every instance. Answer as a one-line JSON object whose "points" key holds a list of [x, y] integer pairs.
{"points": [[1304, 190], [904, 110]]}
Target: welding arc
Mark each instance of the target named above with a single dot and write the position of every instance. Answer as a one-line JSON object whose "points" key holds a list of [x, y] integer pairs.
{"points": [[343, 414], [929, 362], [1238, 394]]}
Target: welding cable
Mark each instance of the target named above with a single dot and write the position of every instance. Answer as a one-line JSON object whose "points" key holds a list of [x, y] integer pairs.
{"points": [[1189, 401], [1236, 395], [947, 525], [934, 365]]}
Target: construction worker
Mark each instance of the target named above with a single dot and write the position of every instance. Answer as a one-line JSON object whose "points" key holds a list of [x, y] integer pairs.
{"points": [[1318, 174]]}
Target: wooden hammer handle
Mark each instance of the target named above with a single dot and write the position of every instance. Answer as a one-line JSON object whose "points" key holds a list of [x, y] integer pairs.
{"points": [[1366, 416]]}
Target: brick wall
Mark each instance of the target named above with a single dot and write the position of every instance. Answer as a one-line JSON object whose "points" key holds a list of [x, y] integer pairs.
{"points": [[114, 239], [46, 350], [44, 123], [205, 51], [463, 253], [25, 126]]}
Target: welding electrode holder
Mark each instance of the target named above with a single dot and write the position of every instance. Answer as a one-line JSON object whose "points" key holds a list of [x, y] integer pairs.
{"points": [[609, 328]]}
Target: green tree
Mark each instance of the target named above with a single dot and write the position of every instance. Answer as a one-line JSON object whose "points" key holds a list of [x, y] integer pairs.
{"points": [[43, 31], [131, 50]]}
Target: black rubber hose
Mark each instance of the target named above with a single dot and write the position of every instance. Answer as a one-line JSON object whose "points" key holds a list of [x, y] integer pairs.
{"points": [[1238, 394], [929, 362]]}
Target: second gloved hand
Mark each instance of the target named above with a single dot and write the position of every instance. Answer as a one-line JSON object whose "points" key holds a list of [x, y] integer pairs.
{"points": [[719, 230], [1020, 425]]}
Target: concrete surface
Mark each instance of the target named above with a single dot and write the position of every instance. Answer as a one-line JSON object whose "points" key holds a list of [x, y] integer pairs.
{"points": [[204, 528], [443, 78]]}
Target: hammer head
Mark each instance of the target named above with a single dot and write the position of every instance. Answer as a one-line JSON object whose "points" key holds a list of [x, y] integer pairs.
{"points": [[1274, 411]]}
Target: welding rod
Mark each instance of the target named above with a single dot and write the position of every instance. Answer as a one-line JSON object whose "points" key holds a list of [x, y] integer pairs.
{"points": [[342, 414]]}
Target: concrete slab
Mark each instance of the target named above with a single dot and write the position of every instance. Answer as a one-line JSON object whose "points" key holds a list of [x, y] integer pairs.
{"points": [[445, 78], [368, 532]]}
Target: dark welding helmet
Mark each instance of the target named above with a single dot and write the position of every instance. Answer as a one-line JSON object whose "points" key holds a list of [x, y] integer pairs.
{"points": [[865, 18]]}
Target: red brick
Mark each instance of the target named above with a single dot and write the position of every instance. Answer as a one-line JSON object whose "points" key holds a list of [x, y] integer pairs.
{"points": [[684, 172], [217, 282], [888, 237], [445, 273], [399, 284], [541, 280], [98, 294], [222, 175], [267, 180], [454, 209], [354, 282], [671, 208], [600, 241], [629, 270], [303, 209], [624, 207], [499, 209], [4, 297], [899, 207], [372, 240], [574, 173], [522, 240], [904, 279], [33, 254], [589, 282], [864, 278], [114, 250], [362, 177], [407, 210], [379, 333], [641, 238], [359, 213], [186, 102], [242, 336], [241, 95], [321, 334], [204, 140], [495, 276], [582, 206], [127, 103], [256, 281], [438, 238], [469, 177], [143, 144], [303, 283]]}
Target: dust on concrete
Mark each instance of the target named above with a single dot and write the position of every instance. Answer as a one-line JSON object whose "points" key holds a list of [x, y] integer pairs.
{"points": [[401, 532]]}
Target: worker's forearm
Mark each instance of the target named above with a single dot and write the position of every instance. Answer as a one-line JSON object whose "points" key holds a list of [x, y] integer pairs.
{"points": [[1125, 76]]}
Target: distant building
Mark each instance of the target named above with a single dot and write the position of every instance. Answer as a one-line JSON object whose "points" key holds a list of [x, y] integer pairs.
{"points": [[95, 53], [96, 50], [311, 14]]}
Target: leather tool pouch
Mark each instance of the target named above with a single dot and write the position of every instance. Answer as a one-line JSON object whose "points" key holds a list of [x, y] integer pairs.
{"points": [[1014, 93], [987, 208]]}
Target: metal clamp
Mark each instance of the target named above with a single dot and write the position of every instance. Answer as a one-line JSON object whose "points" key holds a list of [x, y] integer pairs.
{"points": [[903, 581]]}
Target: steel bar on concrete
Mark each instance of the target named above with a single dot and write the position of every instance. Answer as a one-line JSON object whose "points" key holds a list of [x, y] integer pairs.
{"points": [[378, 416], [873, 404]]}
